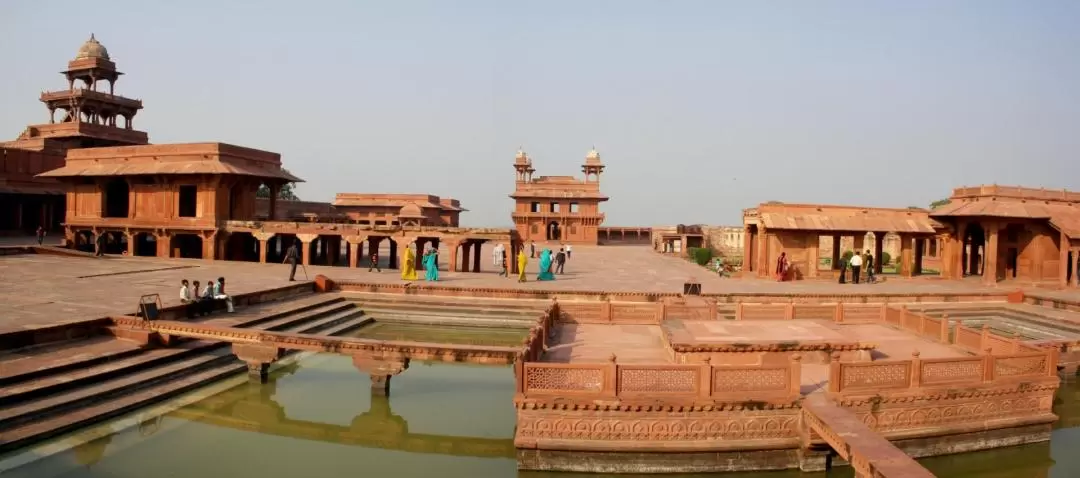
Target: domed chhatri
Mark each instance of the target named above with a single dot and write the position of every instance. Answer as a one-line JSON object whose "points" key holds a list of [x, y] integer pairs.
{"points": [[92, 49], [593, 155]]}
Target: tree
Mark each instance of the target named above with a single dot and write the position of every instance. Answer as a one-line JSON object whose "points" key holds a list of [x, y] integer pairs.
{"points": [[286, 191], [938, 203]]}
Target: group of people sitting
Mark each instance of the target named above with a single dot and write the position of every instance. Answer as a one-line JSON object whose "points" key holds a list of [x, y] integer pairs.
{"points": [[201, 301]]}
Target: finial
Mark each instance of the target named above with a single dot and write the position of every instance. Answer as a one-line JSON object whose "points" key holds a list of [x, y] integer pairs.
{"points": [[92, 37]]}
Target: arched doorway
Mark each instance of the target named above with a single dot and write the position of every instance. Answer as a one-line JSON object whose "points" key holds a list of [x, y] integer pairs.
{"points": [[242, 246], [554, 231], [114, 198], [84, 241]]}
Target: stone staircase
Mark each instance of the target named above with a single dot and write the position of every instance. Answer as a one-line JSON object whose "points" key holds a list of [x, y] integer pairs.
{"points": [[436, 310], [51, 389]]}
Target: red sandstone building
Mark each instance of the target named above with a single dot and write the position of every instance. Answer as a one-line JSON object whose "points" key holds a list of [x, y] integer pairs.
{"points": [[996, 233], [398, 209], [82, 116], [558, 208]]}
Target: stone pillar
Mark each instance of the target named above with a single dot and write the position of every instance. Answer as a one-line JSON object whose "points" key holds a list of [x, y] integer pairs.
{"points": [[920, 250], [1063, 261], [209, 242], [958, 251], [746, 244], [264, 243], [763, 252], [275, 190], [815, 256], [858, 243], [354, 253], [392, 259], [907, 258], [476, 256], [306, 241], [258, 358], [452, 246], [1076, 267], [879, 251], [163, 241], [836, 252], [466, 254], [512, 253], [380, 371], [990, 254], [131, 244]]}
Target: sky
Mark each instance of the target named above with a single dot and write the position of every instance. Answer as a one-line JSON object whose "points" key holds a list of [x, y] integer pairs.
{"points": [[699, 109]]}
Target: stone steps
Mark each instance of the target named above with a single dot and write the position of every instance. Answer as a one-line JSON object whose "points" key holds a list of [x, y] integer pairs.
{"points": [[371, 307], [38, 361], [66, 394], [364, 298], [408, 317]]}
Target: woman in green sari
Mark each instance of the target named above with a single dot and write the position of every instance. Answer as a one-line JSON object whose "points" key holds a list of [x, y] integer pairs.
{"points": [[545, 266]]}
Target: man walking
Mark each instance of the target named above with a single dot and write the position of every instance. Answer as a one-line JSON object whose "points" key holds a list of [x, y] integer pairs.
{"points": [[40, 235], [374, 258], [869, 260], [292, 256], [560, 261], [99, 245], [856, 265], [569, 250]]}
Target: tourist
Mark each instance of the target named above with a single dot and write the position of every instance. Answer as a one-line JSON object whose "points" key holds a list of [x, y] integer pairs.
{"points": [[569, 250], [868, 259], [374, 258], [843, 270], [720, 266], [207, 297], [187, 298], [497, 255], [545, 266], [99, 245], [856, 265], [522, 261], [431, 266], [292, 256], [781, 267], [40, 235], [219, 294], [408, 268], [532, 249], [560, 261]]}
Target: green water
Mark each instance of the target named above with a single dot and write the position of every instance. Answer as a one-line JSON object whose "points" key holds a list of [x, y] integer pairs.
{"points": [[316, 418], [443, 334]]}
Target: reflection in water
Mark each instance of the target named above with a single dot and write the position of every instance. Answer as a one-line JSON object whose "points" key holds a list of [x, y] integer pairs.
{"points": [[318, 419]]}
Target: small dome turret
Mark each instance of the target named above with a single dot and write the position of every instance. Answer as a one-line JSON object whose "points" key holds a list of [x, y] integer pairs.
{"points": [[92, 49]]}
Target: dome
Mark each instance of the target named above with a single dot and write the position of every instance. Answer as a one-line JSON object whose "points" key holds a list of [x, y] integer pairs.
{"points": [[92, 49], [410, 210], [593, 155]]}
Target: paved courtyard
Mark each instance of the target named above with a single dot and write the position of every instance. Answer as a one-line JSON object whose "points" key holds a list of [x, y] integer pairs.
{"points": [[40, 290]]}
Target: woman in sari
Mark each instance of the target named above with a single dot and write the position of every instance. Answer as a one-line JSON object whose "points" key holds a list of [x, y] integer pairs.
{"points": [[781, 267], [522, 261], [431, 266], [545, 266], [408, 266]]}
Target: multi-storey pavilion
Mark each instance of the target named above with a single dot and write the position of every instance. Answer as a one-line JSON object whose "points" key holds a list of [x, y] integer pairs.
{"points": [[88, 117], [1012, 233], [558, 208], [399, 209]]}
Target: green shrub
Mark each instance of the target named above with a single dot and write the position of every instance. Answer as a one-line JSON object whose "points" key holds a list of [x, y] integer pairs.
{"points": [[846, 258], [701, 255], [885, 258]]}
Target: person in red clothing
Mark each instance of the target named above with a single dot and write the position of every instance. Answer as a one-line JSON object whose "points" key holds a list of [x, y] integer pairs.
{"points": [[781, 267]]}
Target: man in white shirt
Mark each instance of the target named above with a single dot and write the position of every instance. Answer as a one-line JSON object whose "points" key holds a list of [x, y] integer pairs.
{"points": [[186, 298], [856, 264], [497, 255], [569, 250]]}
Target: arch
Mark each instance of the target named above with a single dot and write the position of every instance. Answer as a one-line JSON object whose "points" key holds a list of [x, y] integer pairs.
{"points": [[187, 246], [145, 244], [553, 232], [973, 253], [242, 246], [277, 246], [84, 240]]}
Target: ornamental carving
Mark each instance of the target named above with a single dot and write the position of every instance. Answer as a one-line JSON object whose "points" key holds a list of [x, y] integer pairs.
{"points": [[952, 371], [641, 427], [657, 380], [564, 379], [743, 380], [1018, 366], [875, 375], [895, 419]]}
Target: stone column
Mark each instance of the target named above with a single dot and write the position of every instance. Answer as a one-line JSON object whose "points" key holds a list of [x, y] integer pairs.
{"points": [[466, 254], [476, 256], [275, 189], [209, 242], [305, 247], [990, 254], [920, 249], [354, 253], [858, 243], [746, 244], [264, 243], [452, 246], [907, 258], [1076, 267], [380, 371], [835, 252], [763, 252], [1063, 261], [959, 249], [392, 259], [131, 244], [815, 256], [879, 251]]}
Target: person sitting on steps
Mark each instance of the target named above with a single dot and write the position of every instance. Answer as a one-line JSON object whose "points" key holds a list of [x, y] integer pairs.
{"points": [[219, 294]]}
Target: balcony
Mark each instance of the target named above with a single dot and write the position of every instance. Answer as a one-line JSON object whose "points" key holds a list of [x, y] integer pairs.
{"points": [[62, 95]]}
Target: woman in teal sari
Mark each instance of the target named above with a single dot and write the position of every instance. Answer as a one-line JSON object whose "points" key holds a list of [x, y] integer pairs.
{"points": [[431, 266], [545, 266]]}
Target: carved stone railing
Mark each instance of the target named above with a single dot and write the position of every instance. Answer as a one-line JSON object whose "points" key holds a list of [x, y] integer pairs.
{"points": [[91, 94], [667, 382], [863, 378]]}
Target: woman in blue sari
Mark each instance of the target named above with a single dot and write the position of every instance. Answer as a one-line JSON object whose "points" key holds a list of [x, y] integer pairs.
{"points": [[431, 266], [545, 266]]}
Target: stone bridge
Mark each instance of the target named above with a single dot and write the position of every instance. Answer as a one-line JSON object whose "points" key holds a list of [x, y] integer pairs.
{"points": [[254, 410], [381, 359], [870, 454]]}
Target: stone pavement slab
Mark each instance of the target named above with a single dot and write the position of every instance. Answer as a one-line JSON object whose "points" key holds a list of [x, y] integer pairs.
{"points": [[594, 343]]}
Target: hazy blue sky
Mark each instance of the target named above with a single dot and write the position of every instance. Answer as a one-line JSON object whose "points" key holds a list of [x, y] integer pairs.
{"points": [[698, 108]]}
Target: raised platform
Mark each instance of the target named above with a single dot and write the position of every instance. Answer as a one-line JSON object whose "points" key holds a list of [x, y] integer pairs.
{"points": [[759, 342]]}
